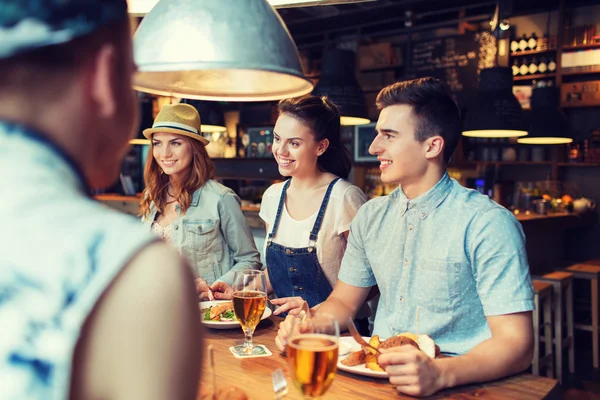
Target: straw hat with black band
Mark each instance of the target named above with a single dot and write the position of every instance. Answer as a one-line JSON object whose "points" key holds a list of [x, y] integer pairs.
{"points": [[180, 119]]}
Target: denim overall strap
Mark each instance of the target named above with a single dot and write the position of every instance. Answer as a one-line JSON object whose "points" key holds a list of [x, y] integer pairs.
{"points": [[312, 240], [278, 215]]}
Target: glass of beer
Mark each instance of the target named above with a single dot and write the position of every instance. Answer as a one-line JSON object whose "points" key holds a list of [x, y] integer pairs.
{"points": [[312, 353], [249, 301]]}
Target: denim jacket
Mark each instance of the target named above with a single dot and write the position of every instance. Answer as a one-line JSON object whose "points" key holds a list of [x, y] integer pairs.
{"points": [[213, 234]]}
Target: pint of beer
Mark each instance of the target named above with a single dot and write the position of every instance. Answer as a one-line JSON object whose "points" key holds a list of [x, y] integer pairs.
{"points": [[313, 354]]}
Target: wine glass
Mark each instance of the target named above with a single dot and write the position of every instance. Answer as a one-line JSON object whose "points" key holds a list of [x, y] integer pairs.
{"points": [[312, 353], [249, 300]]}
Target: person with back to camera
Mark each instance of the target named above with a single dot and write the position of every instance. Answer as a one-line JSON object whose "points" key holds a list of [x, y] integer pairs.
{"points": [[91, 305], [183, 204], [307, 217], [436, 250]]}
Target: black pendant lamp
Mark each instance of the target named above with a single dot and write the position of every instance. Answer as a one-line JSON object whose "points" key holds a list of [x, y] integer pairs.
{"points": [[212, 118], [548, 123], [338, 82], [497, 112]]}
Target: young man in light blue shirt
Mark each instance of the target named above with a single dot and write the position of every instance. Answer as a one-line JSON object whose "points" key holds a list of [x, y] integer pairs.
{"points": [[436, 248]]}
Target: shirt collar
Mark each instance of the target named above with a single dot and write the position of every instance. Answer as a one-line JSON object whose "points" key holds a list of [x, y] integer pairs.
{"points": [[39, 138], [428, 201], [196, 197]]}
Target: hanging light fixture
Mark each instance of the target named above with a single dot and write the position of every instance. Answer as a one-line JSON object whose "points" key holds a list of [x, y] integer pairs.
{"points": [[338, 82], [234, 50], [496, 113], [142, 7], [211, 115], [548, 123]]}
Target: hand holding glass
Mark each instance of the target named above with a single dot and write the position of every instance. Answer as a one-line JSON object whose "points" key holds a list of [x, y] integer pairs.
{"points": [[312, 353], [249, 301]]}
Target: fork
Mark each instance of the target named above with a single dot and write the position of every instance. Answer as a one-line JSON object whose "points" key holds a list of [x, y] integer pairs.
{"points": [[279, 384], [352, 329]]}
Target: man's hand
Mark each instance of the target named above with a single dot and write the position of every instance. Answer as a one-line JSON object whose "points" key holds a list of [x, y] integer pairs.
{"points": [[292, 305], [285, 327], [221, 290], [411, 370]]}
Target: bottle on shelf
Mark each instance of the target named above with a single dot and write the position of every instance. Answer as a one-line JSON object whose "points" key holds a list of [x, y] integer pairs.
{"points": [[552, 64], [532, 42], [514, 45], [524, 43], [515, 67], [543, 66], [533, 66], [524, 68]]}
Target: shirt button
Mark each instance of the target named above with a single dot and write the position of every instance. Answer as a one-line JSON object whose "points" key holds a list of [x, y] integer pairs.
{"points": [[401, 298], [410, 227], [176, 227], [295, 287], [406, 261], [300, 288], [292, 269], [288, 251]]}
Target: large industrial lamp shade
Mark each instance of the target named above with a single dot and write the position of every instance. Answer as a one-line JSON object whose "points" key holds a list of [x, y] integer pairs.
{"points": [[338, 82], [497, 112], [548, 123], [233, 50]]}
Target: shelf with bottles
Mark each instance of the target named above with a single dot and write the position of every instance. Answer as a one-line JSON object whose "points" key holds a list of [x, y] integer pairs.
{"points": [[528, 45], [525, 68]]}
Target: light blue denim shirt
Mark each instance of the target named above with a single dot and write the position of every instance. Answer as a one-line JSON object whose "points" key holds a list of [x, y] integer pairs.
{"points": [[59, 251], [452, 253], [213, 234]]}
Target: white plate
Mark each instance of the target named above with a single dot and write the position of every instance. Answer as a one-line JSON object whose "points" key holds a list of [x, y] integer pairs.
{"points": [[226, 324], [360, 369]]}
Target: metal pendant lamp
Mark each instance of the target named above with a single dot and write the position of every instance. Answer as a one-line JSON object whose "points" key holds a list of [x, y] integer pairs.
{"points": [[548, 123], [212, 118], [497, 112], [232, 50], [338, 82]]}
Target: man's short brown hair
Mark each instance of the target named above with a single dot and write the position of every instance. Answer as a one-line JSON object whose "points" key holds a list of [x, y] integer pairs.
{"points": [[435, 111]]}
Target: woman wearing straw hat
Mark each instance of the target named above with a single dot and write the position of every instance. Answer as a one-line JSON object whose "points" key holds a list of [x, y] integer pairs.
{"points": [[183, 204]]}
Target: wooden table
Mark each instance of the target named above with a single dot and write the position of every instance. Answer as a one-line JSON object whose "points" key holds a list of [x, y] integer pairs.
{"points": [[254, 375]]}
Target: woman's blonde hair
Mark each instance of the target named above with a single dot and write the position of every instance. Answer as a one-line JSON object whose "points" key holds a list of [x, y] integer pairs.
{"points": [[157, 182]]}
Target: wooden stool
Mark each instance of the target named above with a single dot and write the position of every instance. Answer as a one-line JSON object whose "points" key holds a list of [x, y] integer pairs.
{"points": [[590, 271], [543, 294], [562, 283]]}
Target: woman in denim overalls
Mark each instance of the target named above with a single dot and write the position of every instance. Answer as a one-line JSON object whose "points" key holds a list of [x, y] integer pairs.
{"points": [[304, 247]]}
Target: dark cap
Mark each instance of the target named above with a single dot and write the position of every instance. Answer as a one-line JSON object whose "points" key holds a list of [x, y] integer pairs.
{"points": [[26, 25]]}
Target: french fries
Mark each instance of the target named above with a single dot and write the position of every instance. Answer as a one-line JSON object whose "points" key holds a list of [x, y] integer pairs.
{"points": [[368, 356]]}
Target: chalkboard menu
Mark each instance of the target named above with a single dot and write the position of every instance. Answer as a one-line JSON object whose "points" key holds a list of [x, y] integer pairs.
{"points": [[456, 60]]}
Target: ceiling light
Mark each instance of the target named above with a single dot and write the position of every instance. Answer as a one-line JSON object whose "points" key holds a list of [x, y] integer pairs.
{"points": [[548, 123], [234, 50], [496, 113], [143, 7], [338, 82]]}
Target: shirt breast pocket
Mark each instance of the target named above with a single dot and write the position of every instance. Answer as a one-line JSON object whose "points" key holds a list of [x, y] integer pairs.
{"points": [[202, 235], [438, 284]]}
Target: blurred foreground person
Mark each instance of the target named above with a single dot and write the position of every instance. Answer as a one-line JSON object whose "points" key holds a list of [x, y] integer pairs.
{"points": [[91, 305]]}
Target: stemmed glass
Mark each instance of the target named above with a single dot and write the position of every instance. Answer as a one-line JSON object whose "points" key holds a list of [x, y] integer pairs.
{"points": [[312, 353], [249, 301]]}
